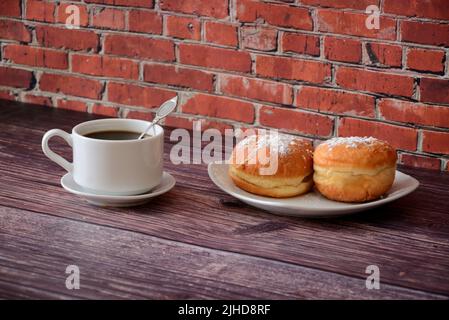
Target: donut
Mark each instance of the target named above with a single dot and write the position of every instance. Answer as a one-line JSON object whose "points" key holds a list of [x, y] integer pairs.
{"points": [[272, 165], [354, 169]]}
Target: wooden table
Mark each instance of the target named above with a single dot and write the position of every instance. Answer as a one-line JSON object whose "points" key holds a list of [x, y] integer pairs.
{"points": [[198, 242]]}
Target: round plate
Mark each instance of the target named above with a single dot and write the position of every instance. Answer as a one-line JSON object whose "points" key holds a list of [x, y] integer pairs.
{"points": [[311, 204], [167, 183]]}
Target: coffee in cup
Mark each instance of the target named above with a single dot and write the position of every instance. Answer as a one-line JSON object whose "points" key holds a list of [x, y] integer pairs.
{"points": [[115, 135]]}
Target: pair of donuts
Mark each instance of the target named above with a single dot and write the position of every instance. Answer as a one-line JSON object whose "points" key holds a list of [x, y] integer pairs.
{"points": [[352, 169]]}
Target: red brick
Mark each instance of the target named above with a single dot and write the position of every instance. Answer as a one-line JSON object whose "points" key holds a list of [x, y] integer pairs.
{"points": [[300, 43], [256, 89], [426, 60], [221, 33], [292, 69], [66, 38], [134, 95], [217, 58], [351, 23], [70, 85], [71, 105], [140, 47], [106, 66], [416, 113], [128, 3], [296, 120], [434, 90], [342, 4], [373, 81], [400, 137], [435, 142], [413, 160], [275, 14], [433, 9], [183, 27], [10, 8], [219, 107], [259, 38], [178, 76], [108, 18], [425, 33], [145, 21], [14, 30], [345, 50], [40, 11], [40, 100], [33, 56], [335, 101], [212, 8], [63, 15], [7, 95], [382, 54], [134, 114], [105, 110], [187, 123], [17, 78]]}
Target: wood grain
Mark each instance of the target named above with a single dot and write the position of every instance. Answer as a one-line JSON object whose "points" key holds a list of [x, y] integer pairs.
{"points": [[120, 264], [408, 239]]}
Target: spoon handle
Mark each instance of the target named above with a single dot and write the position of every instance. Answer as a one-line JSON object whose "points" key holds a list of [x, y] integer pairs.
{"points": [[155, 121]]}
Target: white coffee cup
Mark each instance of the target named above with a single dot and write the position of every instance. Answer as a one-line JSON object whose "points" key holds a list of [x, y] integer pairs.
{"points": [[112, 167]]}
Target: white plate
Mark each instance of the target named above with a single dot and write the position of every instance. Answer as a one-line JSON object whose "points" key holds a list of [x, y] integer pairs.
{"points": [[311, 204], [167, 183]]}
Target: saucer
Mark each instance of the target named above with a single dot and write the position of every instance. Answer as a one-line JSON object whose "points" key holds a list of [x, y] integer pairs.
{"points": [[312, 204], [167, 183]]}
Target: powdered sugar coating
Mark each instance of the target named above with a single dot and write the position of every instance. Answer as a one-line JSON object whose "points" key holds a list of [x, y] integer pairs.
{"points": [[350, 142], [279, 143]]}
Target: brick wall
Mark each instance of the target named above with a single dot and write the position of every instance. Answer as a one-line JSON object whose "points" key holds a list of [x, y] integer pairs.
{"points": [[308, 67]]}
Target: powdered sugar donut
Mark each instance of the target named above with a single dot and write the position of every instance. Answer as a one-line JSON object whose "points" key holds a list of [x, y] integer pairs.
{"points": [[354, 169], [277, 165]]}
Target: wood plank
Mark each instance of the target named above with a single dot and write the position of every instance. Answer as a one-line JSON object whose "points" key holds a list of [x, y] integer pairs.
{"points": [[218, 221], [36, 249], [406, 239], [414, 225], [428, 195]]}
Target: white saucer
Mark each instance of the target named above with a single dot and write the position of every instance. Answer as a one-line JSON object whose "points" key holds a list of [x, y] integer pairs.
{"points": [[309, 205], [168, 182]]}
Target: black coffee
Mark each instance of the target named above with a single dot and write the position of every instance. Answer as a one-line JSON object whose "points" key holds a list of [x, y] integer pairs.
{"points": [[114, 135]]}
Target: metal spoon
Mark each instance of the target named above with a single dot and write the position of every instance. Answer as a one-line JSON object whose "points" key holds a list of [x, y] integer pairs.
{"points": [[164, 110]]}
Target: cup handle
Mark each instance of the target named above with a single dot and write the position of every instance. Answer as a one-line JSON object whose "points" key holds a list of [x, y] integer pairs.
{"points": [[53, 156]]}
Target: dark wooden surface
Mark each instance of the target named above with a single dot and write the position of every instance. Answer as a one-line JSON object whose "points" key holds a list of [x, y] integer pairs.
{"points": [[198, 242]]}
